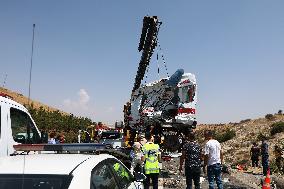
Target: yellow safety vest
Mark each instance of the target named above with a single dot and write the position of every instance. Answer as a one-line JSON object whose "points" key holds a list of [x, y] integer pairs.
{"points": [[151, 152]]}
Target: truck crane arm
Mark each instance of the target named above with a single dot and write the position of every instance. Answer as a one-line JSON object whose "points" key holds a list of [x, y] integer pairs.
{"points": [[148, 43]]}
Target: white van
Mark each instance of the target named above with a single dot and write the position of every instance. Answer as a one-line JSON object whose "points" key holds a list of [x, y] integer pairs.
{"points": [[17, 126]]}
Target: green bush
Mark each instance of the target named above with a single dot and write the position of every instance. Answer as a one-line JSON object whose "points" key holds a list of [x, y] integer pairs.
{"points": [[246, 120], [274, 168], [261, 136], [62, 123], [277, 128], [227, 135], [269, 116]]}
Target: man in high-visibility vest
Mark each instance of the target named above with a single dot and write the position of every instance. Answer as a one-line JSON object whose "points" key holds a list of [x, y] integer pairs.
{"points": [[151, 156]]}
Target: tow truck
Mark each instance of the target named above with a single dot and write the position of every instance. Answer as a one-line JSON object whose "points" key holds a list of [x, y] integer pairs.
{"points": [[26, 163], [168, 104]]}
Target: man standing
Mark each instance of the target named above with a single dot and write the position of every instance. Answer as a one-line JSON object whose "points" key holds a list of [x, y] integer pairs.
{"points": [[136, 164], [254, 154], [191, 152], [213, 158], [264, 156], [151, 156]]}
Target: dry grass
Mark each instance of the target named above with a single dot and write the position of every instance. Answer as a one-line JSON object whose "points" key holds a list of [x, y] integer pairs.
{"points": [[20, 98]]}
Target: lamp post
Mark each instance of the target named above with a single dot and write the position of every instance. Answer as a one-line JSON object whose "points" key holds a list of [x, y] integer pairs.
{"points": [[31, 65]]}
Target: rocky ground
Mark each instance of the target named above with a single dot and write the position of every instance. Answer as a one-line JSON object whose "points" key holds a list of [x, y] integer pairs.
{"points": [[171, 178]]}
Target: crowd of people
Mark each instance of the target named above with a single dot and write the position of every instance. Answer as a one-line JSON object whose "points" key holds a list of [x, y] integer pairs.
{"points": [[55, 138], [148, 156], [195, 158], [256, 152], [262, 151], [146, 159], [211, 155]]}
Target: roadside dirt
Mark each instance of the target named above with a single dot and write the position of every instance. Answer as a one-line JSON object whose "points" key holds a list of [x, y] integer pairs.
{"points": [[172, 178]]}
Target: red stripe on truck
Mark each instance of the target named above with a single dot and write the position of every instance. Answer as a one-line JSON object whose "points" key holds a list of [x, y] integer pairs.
{"points": [[186, 111]]}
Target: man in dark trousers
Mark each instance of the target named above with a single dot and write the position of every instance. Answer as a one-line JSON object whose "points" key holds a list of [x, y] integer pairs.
{"points": [[254, 154], [264, 156], [191, 153], [151, 157], [213, 159]]}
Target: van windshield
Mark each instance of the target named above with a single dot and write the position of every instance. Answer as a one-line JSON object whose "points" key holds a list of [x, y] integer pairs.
{"points": [[23, 128], [187, 93], [29, 181]]}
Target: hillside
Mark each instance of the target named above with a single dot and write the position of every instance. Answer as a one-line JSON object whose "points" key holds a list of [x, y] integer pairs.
{"points": [[237, 150], [20, 98]]}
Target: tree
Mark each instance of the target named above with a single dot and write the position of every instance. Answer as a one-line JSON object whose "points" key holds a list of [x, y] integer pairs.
{"points": [[269, 117]]}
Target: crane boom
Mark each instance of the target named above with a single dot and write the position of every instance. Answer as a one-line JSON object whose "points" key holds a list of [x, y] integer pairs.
{"points": [[148, 43]]}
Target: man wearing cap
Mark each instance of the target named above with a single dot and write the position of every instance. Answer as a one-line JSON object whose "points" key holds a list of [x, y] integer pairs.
{"points": [[151, 156]]}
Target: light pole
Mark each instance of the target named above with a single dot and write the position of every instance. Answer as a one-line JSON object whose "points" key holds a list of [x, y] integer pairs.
{"points": [[31, 65]]}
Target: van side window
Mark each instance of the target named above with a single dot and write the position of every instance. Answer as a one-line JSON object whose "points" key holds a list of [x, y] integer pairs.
{"points": [[23, 129]]}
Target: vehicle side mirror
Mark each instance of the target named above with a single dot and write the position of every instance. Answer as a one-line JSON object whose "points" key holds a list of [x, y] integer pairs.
{"points": [[20, 139], [139, 177]]}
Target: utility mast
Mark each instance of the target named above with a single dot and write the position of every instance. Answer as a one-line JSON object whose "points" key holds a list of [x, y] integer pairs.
{"points": [[31, 64]]}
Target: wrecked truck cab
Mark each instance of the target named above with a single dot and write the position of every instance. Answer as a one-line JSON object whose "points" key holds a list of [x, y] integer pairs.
{"points": [[17, 126]]}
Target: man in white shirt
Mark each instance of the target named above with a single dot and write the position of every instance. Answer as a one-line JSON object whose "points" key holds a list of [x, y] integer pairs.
{"points": [[213, 159]]}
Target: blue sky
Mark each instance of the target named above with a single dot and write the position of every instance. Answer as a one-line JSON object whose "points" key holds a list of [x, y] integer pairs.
{"points": [[86, 57]]}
